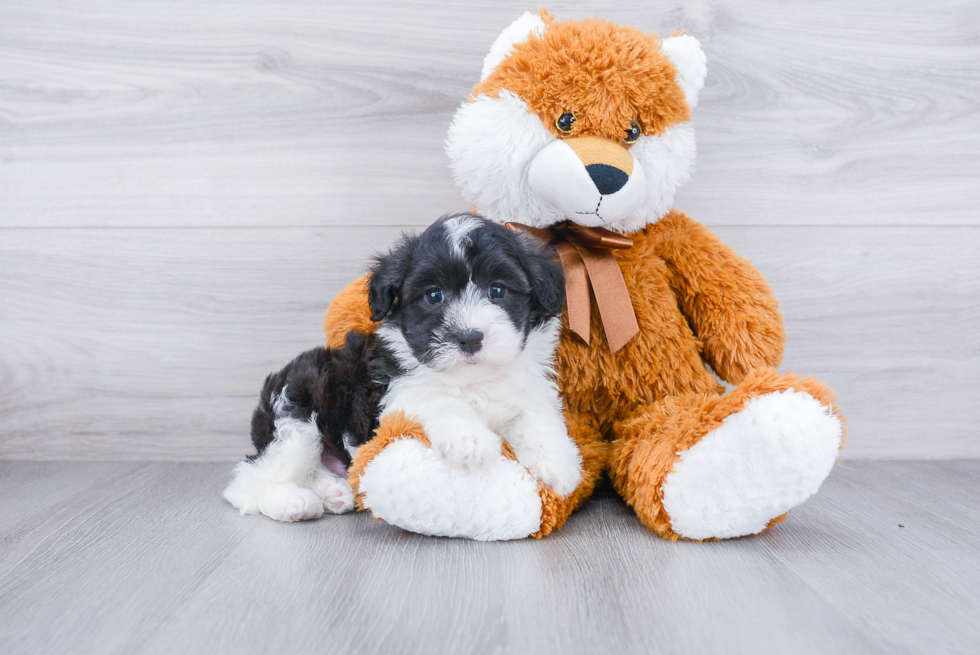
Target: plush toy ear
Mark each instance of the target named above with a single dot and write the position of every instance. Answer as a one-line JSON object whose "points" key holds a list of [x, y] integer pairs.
{"points": [[517, 32], [692, 66], [387, 276]]}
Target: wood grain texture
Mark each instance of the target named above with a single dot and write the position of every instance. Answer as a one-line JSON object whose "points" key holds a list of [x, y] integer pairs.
{"points": [[146, 558], [318, 113], [146, 344]]}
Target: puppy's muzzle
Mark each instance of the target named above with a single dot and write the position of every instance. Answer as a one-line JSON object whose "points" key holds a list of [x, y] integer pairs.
{"points": [[469, 341]]}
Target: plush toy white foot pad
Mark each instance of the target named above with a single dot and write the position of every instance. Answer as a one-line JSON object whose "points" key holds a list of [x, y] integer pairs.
{"points": [[409, 486], [761, 462]]}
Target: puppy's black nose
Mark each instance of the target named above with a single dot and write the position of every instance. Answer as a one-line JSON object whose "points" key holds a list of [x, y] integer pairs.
{"points": [[608, 179], [469, 340]]}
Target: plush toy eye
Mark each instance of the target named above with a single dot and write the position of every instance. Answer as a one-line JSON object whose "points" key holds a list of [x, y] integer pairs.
{"points": [[564, 123], [433, 296], [633, 134], [497, 291]]}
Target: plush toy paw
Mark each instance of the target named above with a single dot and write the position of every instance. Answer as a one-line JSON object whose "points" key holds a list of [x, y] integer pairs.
{"points": [[289, 502], [334, 492], [410, 486], [761, 462]]}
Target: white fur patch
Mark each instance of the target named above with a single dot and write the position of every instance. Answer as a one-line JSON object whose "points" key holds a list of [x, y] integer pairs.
{"points": [[491, 143], [692, 66], [456, 229], [517, 32], [288, 502], [760, 463], [473, 310], [541, 443], [336, 495], [348, 439], [287, 482], [395, 341], [409, 486], [668, 162]]}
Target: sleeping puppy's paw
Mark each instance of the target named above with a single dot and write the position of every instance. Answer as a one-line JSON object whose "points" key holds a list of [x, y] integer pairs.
{"points": [[288, 502], [336, 494], [559, 468], [465, 445]]}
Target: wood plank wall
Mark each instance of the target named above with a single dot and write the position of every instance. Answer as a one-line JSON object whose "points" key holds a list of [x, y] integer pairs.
{"points": [[184, 185]]}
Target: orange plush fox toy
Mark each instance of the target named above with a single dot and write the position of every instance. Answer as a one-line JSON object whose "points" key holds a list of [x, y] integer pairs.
{"points": [[580, 131]]}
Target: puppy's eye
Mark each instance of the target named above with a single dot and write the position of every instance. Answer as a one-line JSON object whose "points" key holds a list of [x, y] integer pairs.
{"points": [[564, 123], [497, 291], [433, 296], [633, 134]]}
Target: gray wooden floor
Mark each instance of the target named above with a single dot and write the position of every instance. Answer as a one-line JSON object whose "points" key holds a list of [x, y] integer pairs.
{"points": [[145, 557]]}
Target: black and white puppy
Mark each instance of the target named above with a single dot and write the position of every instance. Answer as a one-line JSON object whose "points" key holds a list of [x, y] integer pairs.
{"points": [[469, 324]]}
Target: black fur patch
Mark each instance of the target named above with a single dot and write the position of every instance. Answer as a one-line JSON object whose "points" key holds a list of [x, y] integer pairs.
{"points": [[343, 386]]}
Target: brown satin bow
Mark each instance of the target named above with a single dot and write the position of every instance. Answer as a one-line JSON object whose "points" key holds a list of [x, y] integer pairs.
{"points": [[586, 259]]}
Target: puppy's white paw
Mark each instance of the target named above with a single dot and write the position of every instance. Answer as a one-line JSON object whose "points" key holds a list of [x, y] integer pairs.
{"points": [[288, 502], [560, 470], [551, 456], [474, 449], [336, 494]]}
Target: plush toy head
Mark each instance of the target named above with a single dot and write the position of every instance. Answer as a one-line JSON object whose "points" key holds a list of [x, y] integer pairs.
{"points": [[578, 120]]}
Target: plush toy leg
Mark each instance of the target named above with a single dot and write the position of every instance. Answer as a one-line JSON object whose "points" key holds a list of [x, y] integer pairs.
{"points": [[714, 467], [399, 479]]}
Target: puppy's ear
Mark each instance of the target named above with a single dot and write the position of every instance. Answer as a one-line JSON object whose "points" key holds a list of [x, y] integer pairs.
{"points": [[547, 286], [387, 276]]}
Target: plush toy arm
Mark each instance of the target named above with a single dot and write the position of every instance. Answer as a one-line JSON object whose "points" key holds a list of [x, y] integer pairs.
{"points": [[398, 477], [348, 311], [726, 301]]}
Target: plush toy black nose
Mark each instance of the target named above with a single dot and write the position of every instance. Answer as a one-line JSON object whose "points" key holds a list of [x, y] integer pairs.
{"points": [[608, 179], [469, 340]]}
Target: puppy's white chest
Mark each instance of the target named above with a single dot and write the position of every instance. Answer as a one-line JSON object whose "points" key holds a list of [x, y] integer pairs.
{"points": [[493, 402]]}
